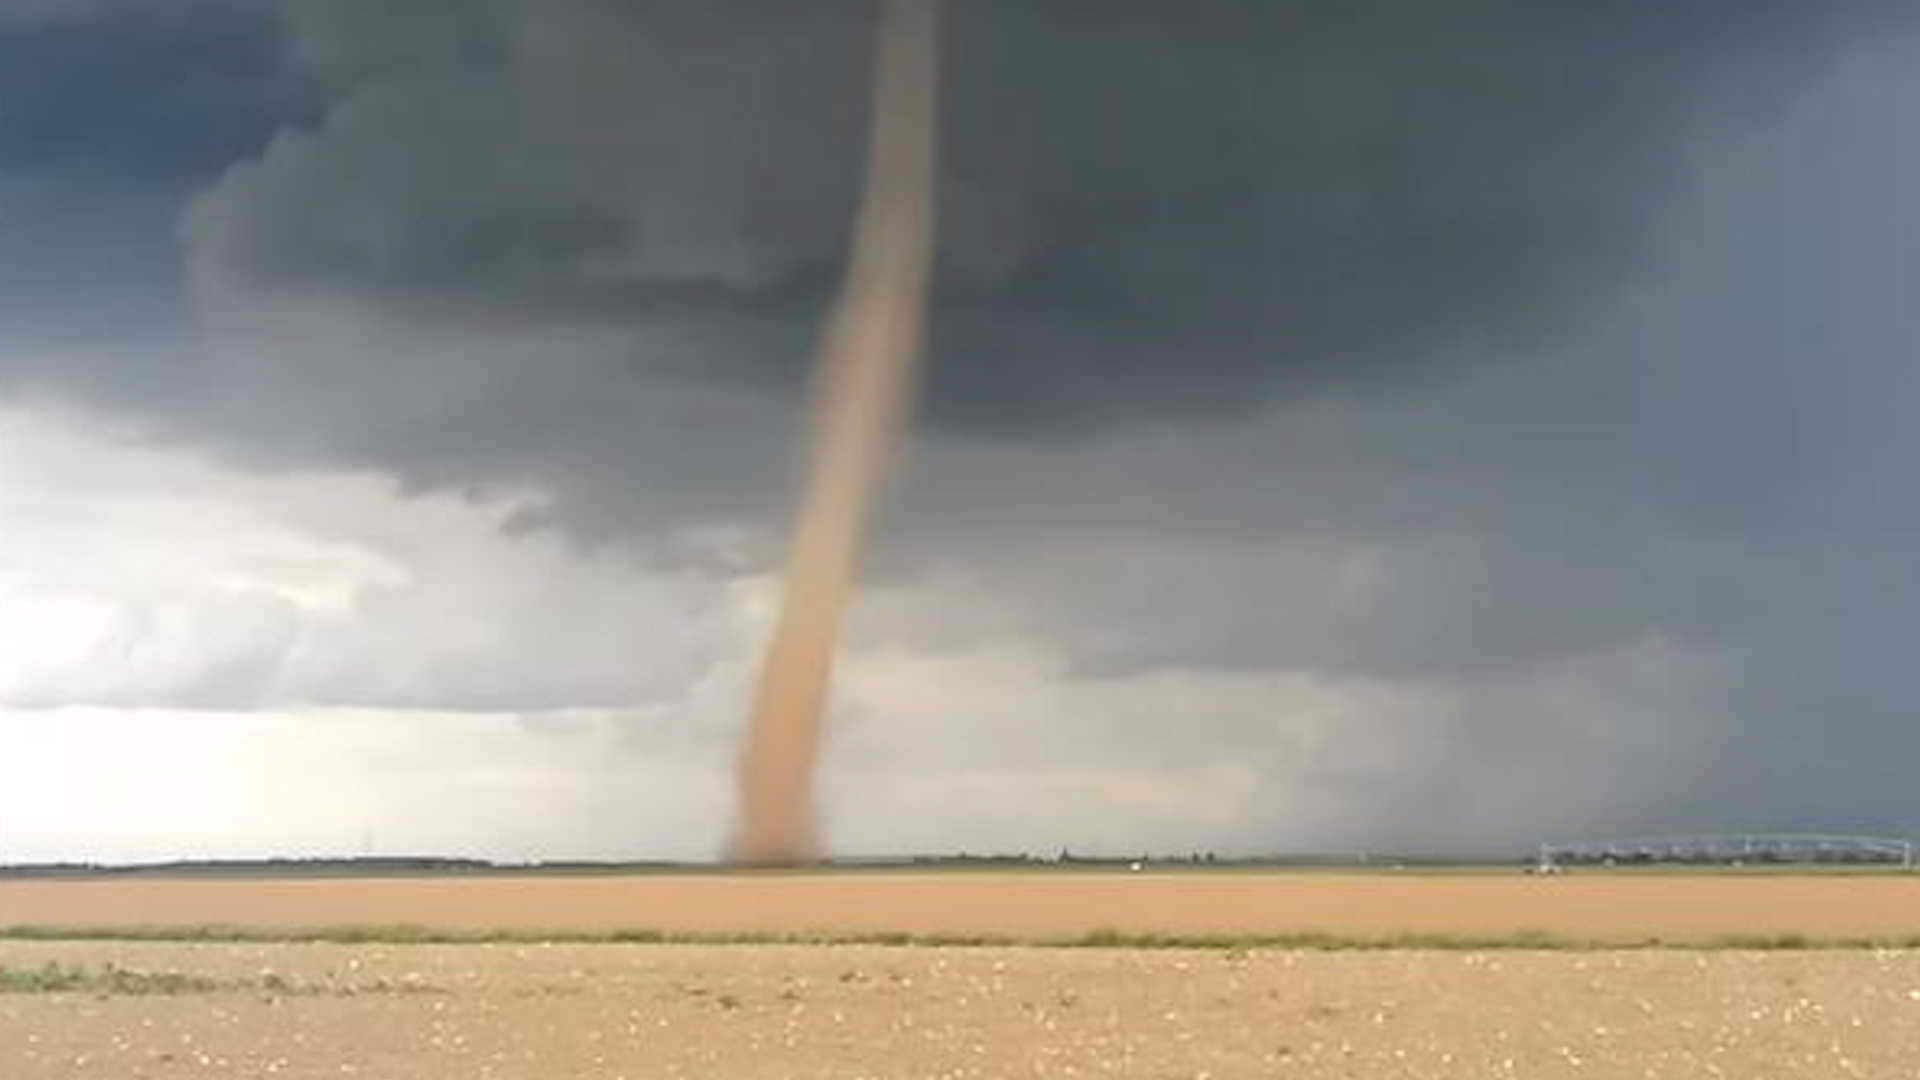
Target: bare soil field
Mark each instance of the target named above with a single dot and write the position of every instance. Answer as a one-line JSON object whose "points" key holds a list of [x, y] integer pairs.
{"points": [[1587, 907], [639, 1012]]}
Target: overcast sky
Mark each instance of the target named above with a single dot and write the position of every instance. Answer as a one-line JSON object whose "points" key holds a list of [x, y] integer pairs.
{"points": [[1385, 425]]}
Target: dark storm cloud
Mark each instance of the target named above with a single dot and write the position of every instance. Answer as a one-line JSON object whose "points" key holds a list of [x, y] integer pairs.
{"points": [[111, 113], [1654, 565], [146, 92], [1691, 533], [1153, 209]]}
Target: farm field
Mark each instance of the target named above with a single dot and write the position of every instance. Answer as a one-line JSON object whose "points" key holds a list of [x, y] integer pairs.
{"points": [[1587, 907], [519, 1011], [1455, 975]]}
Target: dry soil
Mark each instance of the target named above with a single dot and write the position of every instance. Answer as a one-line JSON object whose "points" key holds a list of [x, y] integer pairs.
{"points": [[474, 1012]]}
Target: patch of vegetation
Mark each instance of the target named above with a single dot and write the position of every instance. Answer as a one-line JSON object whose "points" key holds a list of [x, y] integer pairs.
{"points": [[111, 980], [105, 981], [1764, 942], [426, 935], [370, 934], [1324, 942]]}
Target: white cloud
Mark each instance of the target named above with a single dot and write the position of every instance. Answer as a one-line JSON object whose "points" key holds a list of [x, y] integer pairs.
{"points": [[137, 575], [196, 660]]}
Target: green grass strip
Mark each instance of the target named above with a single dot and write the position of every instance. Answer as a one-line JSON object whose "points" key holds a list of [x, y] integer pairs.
{"points": [[1095, 939]]}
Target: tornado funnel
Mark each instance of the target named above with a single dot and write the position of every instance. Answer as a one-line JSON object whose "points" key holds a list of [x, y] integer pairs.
{"points": [[866, 379]]}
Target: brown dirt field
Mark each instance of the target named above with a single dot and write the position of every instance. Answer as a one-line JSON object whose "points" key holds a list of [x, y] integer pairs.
{"points": [[607, 1012], [1620, 907]]}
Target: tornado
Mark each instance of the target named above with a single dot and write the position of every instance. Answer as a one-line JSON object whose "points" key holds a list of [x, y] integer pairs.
{"points": [[866, 378]]}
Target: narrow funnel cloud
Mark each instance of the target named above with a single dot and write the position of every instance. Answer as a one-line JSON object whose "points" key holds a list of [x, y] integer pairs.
{"points": [[866, 379]]}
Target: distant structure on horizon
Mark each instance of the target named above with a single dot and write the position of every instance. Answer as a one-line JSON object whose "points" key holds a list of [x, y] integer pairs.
{"points": [[1732, 849]]}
